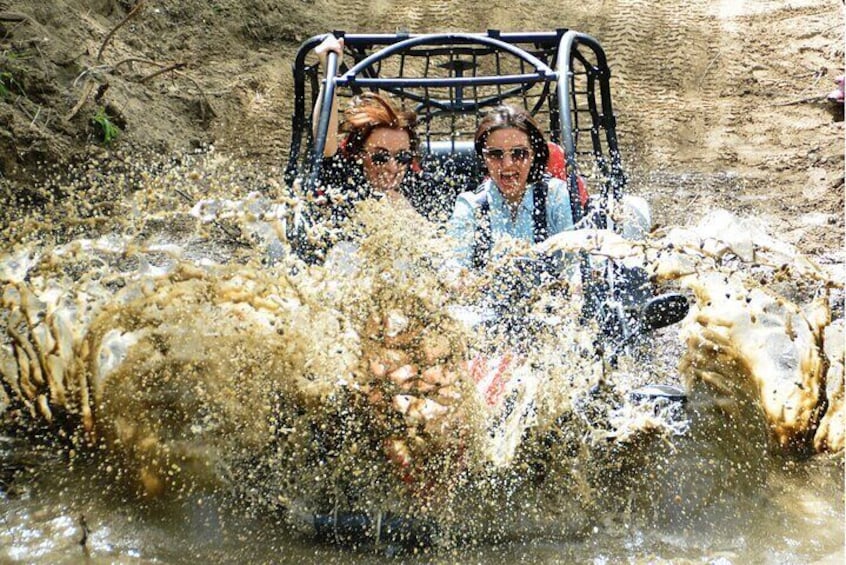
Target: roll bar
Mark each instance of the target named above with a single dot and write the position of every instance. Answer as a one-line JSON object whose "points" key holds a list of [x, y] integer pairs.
{"points": [[581, 89]]}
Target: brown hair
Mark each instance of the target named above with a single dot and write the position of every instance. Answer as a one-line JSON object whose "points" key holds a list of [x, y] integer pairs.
{"points": [[370, 111], [504, 117]]}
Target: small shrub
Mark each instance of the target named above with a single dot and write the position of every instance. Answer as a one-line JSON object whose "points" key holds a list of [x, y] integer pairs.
{"points": [[9, 85], [108, 130], [6, 81], [10, 67]]}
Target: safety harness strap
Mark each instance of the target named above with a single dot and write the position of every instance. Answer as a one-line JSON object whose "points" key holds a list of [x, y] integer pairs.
{"points": [[483, 237]]}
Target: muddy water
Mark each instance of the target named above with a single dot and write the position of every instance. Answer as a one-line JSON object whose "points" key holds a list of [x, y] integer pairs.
{"points": [[797, 518], [711, 495]]}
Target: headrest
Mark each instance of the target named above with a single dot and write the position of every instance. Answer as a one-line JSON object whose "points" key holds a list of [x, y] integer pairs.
{"points": [[444, 148]]}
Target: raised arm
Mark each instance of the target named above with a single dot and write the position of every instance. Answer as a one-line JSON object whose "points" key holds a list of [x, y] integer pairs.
{"points": [[336, 45]]}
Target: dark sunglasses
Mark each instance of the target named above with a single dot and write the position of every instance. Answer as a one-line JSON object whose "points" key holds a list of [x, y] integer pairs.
{"points": [[381, 157], [517, 153]]}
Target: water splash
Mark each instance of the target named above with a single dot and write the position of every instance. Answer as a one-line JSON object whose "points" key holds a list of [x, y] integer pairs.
{"points": [[194, 349]]}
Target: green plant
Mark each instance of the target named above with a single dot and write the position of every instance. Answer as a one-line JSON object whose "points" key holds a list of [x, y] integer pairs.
{"points": [[8, 83], [108, 129], [5, 83], [10, 63]]}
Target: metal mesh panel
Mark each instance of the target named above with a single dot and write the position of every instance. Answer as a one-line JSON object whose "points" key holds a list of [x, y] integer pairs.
{"points": [[453, 112]]}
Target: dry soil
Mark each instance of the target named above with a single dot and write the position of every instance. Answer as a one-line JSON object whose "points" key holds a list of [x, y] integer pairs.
{"points": [[719, 103]]}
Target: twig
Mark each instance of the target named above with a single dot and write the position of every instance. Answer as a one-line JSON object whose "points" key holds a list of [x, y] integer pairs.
{"points": [[34, 42], [184, 195], [19, 105], [32, 123], [202, 93], [138, 60], [692, 202], [86, 92], [110, 68], [708, 68], [818, 74], [89, 70], [172, 67], [817, 98], [108, 38], [233, 235], [48, 118], [13, 17], [67, 62]]}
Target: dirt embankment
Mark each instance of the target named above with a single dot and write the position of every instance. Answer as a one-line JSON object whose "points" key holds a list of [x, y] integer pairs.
{"points": [[719, 104]]}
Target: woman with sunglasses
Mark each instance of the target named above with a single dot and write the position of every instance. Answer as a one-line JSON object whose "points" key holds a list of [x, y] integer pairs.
{"points": [[377, 156], [517, 199]]}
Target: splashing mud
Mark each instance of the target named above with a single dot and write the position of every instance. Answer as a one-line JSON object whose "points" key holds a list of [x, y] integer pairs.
{"points": [[189, 354], [137, 309]]}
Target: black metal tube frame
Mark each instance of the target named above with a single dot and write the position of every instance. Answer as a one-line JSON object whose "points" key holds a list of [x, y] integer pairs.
{"points": [[361, 76]]}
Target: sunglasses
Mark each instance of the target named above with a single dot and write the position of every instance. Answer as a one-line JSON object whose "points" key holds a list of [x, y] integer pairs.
{"points": [[381, 157], [517, 153]]}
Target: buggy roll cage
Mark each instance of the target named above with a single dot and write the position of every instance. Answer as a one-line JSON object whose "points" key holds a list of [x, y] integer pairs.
{"points": [[450, 80]]}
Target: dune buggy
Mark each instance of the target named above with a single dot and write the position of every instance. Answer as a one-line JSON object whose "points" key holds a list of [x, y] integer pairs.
{"points": [[450, 81]]}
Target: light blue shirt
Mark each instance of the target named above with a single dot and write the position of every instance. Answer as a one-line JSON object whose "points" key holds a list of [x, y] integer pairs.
{"points": [[465, 217]]}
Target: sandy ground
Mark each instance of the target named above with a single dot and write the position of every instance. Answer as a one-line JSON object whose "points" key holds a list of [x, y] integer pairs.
{"points": [[719, 103]]}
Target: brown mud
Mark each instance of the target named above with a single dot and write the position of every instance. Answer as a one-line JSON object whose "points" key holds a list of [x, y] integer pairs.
{"points": [[719, 104]]}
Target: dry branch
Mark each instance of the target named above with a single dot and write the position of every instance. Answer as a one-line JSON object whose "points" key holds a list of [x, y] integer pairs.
{"points": [[202, 93], [13, 17], [809, 99], [86, 92], [137, 60], [120, 24], [164, 68], [161, 71]]}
